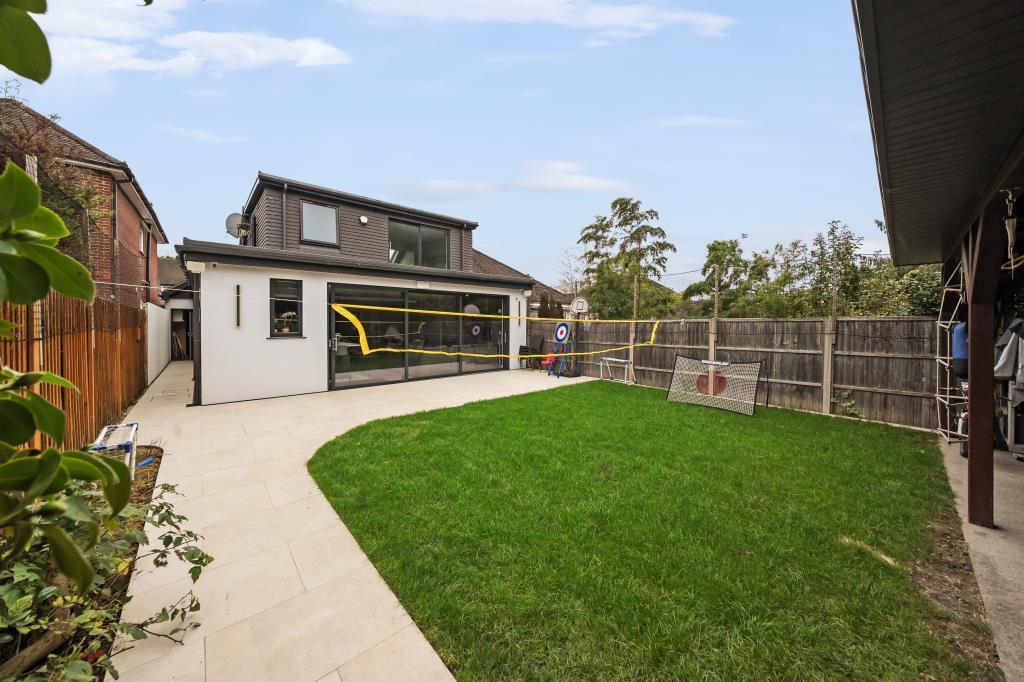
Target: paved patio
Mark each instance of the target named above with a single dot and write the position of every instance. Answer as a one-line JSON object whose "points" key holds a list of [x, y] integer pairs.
{"points": [[998, 554], [290, 596]]}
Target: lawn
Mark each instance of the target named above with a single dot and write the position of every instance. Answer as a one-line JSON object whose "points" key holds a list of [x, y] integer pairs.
{"points": [[598, 531]]}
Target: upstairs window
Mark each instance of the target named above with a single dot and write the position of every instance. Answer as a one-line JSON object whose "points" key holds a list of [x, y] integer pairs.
{"points": [[319, 223], [285, 307], [418, 245]]}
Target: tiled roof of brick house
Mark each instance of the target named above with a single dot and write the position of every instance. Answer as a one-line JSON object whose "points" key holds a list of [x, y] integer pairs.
{"points": [[486, 265]]}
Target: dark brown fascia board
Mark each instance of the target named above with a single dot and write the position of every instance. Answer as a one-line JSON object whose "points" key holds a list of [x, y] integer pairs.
{"points": [[298, 260], [268, 180]]}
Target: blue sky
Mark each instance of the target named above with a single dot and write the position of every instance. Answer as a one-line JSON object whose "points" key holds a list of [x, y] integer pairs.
{"points": [[528, 116]]}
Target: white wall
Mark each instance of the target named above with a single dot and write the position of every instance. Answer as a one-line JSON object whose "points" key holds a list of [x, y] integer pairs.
{"points": [[158, 340], [242, 362]]}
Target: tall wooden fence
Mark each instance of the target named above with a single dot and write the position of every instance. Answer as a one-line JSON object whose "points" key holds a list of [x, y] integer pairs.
{"points": [[880, 368], [101, 348]]}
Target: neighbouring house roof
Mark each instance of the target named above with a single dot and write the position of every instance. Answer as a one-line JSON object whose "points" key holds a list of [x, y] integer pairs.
{"points": [[486, 265], [15, 116], [946, 102], [235, 254], [169, 271], [268, 180]]}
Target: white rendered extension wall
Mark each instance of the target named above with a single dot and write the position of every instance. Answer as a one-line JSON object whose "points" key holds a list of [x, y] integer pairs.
{"points": [[158, 340], [243, 362]]}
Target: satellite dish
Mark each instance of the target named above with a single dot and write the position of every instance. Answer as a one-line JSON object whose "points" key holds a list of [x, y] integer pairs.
{"points": [[579, 306], [233, 222]]}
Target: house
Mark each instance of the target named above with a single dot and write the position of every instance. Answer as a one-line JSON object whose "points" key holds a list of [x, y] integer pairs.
{"points": [[946, 103], [262, 325], [123, 230], [542, 296]]}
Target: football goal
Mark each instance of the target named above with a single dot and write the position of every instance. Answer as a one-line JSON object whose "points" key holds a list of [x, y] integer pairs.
{"points": [[723, 385]]}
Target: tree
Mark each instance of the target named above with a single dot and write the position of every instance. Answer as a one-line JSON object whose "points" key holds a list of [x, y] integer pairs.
{"points": [[795, 280], [624, 251], [571, 278]]}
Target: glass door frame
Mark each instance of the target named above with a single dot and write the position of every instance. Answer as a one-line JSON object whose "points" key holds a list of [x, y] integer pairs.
{"points": [[505, 332]]}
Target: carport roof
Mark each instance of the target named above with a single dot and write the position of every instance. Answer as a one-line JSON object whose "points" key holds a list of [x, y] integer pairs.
{"points": [[945, 93]]}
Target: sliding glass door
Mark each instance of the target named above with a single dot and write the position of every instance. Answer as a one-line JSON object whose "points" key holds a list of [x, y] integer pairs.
{"points": [[433, 334], [384, 329], [440, 336], [483, 335]]}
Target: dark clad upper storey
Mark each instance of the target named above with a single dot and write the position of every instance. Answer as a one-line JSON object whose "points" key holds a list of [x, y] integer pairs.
{"points": [[297, 216]]}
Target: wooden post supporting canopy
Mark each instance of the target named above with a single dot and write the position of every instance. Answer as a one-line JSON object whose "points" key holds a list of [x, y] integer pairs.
{"points": [[985, 247]]}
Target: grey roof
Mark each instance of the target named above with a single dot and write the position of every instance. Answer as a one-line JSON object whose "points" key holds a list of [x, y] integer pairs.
{"points": [[301, 260], [484, 264], [945, 95], [266, 179]]}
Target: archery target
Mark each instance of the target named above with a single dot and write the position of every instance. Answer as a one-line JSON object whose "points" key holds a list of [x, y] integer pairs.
{"points": [[476, 329], [561, 332]]}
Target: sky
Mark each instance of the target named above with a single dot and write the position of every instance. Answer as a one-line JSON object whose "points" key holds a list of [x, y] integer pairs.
{"points": [[728, 117]]}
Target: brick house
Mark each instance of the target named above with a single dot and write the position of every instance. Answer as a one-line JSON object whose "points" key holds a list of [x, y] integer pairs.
{"points": [[118, 235]]}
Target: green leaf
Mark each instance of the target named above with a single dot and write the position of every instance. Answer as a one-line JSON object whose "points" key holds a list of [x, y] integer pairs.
{"points": [[6, 328], [16, 423], [23, 280], [21, 380], [48, 417], [36, 6], [49, 467], [22, 536], [117, 482], [44, 222], [67, 275], [19, 194], [69, 558], [23, 47]]}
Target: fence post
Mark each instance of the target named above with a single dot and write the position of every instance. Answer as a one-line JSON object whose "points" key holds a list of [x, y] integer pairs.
{"points": [[828, 343]]}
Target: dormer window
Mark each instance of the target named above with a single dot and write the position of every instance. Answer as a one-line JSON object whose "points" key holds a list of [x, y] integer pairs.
{"points": [[410, 244], [319, 224]]}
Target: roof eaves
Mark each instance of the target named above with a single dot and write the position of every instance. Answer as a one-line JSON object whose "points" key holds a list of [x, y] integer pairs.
{"points": [[250, 255], [267, 179]]}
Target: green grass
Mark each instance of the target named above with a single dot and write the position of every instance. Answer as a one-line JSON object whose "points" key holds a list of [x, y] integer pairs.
{"points": [[598, 531]]}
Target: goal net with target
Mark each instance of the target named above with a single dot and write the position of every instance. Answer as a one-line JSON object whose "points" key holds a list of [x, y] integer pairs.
{"points": [[723, 385]]}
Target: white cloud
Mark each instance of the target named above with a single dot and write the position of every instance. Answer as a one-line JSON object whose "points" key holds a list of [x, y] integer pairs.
{"points": [[109, 19], [203, 135], [452, 189], [565, 176], [609, 22], [226, 51], [703, 122], [102, 36]]}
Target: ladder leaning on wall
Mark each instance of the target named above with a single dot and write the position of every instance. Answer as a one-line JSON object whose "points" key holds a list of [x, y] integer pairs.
{"points": [[950, 390]]}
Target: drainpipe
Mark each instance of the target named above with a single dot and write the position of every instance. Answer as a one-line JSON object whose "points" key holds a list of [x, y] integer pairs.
{"points": [[284, 217], [114, 251]]}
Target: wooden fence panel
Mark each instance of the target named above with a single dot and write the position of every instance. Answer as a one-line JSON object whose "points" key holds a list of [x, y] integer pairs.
{"points": [[882, 368], [100, 348]]}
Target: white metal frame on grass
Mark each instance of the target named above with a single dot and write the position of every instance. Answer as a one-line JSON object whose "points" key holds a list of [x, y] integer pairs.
{"points": [[609, 365]]}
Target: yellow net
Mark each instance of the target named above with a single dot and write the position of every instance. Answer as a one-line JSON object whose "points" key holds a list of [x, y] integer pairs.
{"points": [[345, 310]]}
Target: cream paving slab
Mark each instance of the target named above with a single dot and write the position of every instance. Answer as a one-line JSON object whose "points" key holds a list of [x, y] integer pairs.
{"points": [[290, 595], [307, 637], [326, 555], [404, 655], [182, 663], [248, 535]]}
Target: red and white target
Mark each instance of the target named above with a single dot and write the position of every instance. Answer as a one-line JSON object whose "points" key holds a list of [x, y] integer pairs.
{"points": [[561, 332]]}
